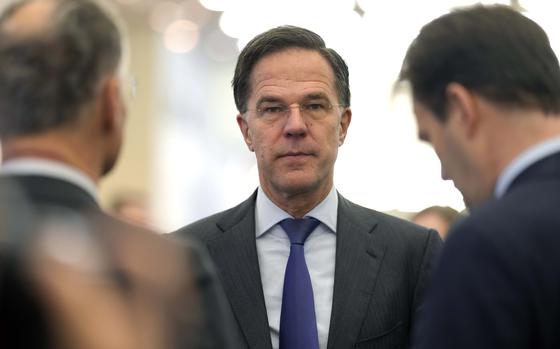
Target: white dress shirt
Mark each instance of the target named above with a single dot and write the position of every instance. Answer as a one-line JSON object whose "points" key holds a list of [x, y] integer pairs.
{"points": [[523, 161], [29, 166], [273, 250]]}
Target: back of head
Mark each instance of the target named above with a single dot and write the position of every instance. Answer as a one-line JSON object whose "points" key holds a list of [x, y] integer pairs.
{"points": [[440, 218], [493, 51], [447, 214], [280, 39], [53, 54]]}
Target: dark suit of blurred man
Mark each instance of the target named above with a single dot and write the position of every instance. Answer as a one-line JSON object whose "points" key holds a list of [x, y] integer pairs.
{"points": [[72, 276]]}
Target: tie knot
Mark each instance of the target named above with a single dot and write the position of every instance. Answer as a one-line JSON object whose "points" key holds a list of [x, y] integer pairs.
{"points": [[299, 229]]}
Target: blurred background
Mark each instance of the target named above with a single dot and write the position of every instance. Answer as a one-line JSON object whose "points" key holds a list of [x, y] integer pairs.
{"points": [[184, 157]]}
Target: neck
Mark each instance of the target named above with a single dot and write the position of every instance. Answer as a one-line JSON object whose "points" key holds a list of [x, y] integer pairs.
{"points": [[525, 132], [298, 204], [52, 148]]}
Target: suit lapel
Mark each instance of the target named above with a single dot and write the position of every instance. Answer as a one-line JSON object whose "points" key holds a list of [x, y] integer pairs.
{"points": [[235, 252], [358, 261]]}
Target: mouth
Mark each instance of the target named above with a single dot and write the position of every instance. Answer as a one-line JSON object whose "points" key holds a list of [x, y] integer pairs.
{"points": [[295, 155]]}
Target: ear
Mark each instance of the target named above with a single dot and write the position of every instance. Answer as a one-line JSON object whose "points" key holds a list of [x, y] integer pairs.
{"points": [[244, 127], [112, 106], [463, 108], [344, 123]]}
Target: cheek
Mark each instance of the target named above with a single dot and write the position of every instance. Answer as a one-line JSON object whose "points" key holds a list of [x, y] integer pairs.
{"points": [[263, 146], [328, 134], [260, 141]]}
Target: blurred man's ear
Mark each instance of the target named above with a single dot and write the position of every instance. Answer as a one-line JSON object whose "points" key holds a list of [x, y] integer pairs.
{"points": [[463, 104], [112, 104]]}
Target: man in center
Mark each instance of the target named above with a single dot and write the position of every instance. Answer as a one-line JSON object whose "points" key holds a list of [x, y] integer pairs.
{"points": [[302, 266]]}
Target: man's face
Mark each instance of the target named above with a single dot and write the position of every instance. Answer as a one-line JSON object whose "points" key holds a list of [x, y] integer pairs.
{"points": [[296, 150], [448, 140]]}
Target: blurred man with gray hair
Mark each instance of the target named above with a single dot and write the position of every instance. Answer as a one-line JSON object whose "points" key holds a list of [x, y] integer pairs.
{"points": [[71, 276]]}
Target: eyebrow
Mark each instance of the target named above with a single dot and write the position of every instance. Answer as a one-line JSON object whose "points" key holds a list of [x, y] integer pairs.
{"points": [[308, 97], [318, 95], [268, 99]]}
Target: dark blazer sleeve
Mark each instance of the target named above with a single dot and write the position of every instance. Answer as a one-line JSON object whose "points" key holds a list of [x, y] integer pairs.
{"points": [[476, 296], [218, 330], [431, 250]]}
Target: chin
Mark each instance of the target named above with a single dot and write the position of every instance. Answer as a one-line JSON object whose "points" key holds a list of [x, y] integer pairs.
{"points": [[298, 185], [472, 201]]}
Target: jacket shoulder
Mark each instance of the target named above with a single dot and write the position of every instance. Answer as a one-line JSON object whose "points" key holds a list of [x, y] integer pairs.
{"points": [[202, 227], [394, 228], [205, 229]]}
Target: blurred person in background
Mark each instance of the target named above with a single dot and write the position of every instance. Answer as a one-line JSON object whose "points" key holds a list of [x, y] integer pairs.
{"points": [[302, 266], [131, 207], [486, 93], [440, 218], [72, 276]]}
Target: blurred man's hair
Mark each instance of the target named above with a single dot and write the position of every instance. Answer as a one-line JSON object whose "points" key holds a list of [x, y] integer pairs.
{"points": [[494, 51], [280, 39], [47, 76]]}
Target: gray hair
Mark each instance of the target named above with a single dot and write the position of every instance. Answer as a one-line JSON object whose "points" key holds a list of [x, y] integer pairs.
{"points": [[46, 78]]}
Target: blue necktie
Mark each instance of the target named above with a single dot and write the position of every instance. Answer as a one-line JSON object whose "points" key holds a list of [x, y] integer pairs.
{"points": [[298, 326]]}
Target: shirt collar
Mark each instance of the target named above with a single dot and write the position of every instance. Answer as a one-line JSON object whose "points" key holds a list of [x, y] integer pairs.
{"points": [[268, 214], [523, 161], [42, 167]]}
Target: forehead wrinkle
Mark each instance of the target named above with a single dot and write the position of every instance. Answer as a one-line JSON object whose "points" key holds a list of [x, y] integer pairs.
{"points": [[275, 82], [276, 75], [33, 19], [307, 97], [292, 69], [274, 90]]}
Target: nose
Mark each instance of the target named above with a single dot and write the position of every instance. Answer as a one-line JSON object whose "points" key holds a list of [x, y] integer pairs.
{"points": [[295, 124]]}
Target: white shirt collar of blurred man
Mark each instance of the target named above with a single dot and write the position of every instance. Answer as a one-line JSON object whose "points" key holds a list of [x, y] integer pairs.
{"points": [[29, 166], [523, 161]]}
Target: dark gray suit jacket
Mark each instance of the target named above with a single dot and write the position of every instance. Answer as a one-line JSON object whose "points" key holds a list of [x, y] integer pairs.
{"points": [[382, 263]]}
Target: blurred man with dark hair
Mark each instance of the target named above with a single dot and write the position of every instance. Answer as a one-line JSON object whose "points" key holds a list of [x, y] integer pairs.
{"points": [[303, 267], [440, 218], [72, 276], [486, 90]]}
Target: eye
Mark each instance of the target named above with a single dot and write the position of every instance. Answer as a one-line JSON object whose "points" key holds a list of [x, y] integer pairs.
{"points": [[315, 106], [273, 109]]}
